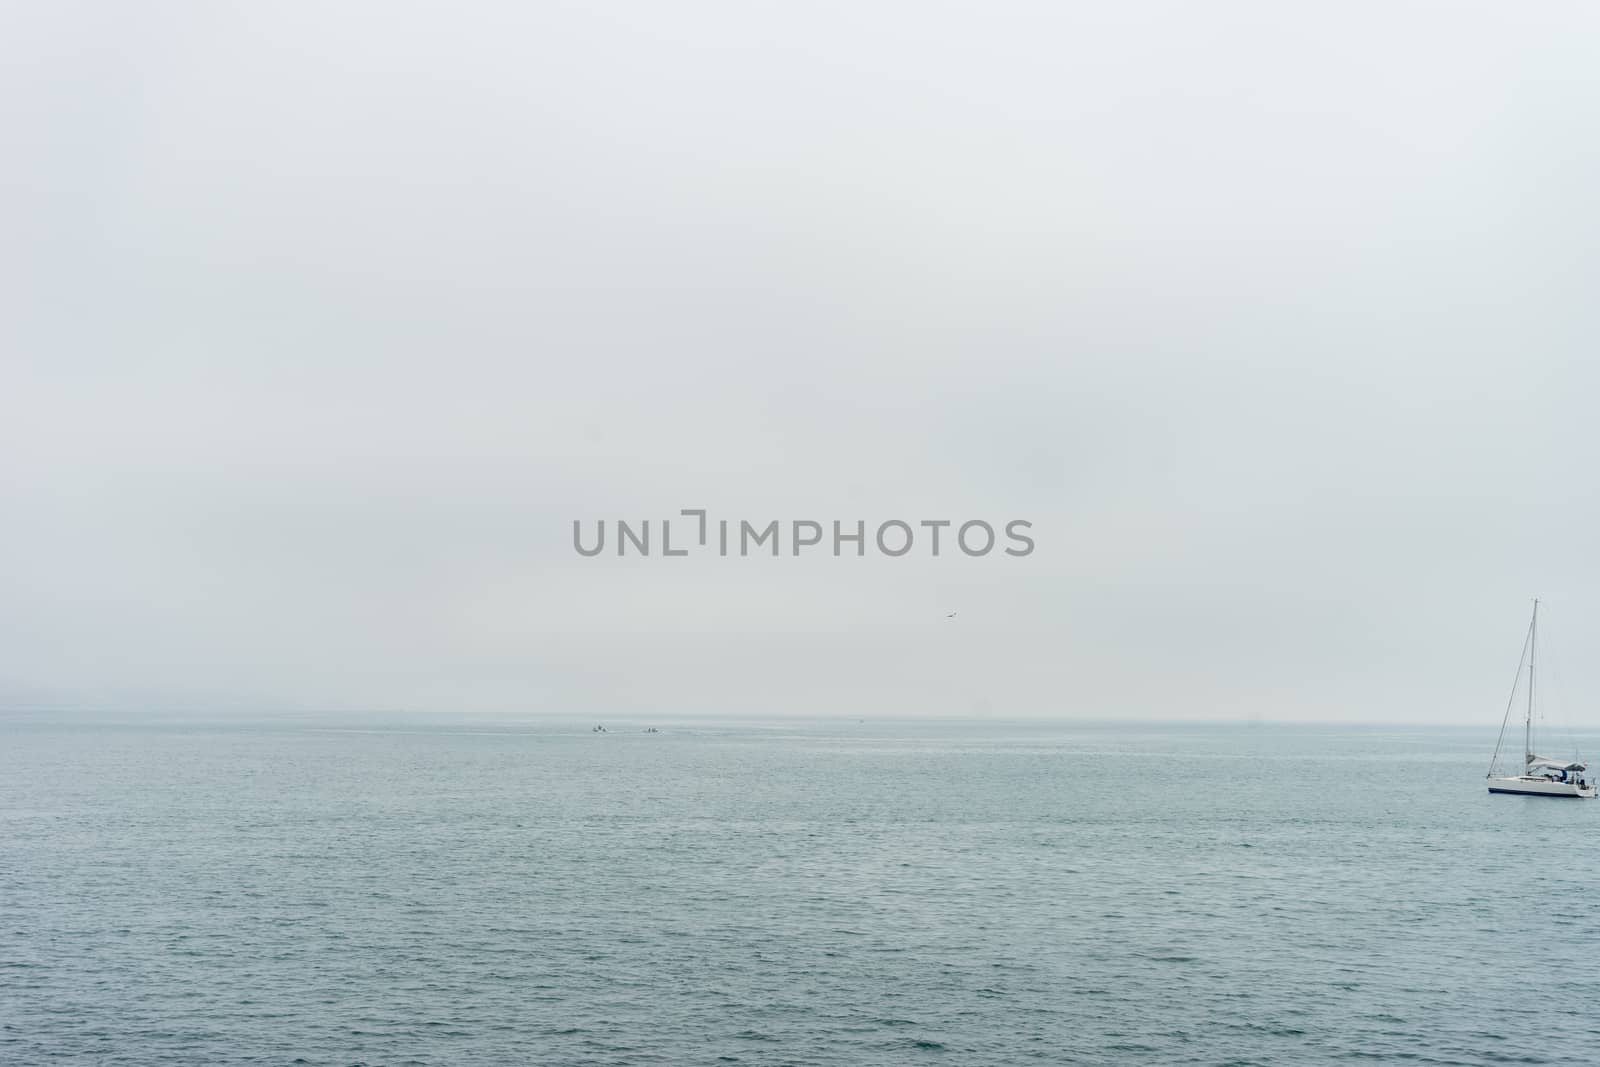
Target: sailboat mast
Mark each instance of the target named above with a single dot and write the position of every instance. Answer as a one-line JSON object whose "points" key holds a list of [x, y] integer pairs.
{"points": [[1533, 652]]}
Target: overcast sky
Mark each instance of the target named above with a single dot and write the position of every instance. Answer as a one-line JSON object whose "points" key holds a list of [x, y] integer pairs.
{"points": [[323, 322]]}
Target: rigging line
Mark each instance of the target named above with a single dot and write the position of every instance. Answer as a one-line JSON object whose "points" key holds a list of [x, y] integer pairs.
{"points": [[1554, 681], [1510, 700]]}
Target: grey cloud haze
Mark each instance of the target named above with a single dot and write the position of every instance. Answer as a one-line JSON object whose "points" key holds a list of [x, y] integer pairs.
{"points": [[323, 322]]}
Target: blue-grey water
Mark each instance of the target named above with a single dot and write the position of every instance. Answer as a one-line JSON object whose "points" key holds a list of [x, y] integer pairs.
{"points": [[422, 892]]}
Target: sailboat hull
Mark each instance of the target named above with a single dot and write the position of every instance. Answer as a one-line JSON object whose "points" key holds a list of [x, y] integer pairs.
{"points": [[1541, 787]]}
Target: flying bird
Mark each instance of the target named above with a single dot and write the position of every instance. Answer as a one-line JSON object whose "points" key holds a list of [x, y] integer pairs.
{"points": [[951, 615]]}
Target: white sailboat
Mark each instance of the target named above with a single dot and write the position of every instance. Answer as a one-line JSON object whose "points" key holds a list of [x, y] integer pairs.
{"points": [[1540, 777]]}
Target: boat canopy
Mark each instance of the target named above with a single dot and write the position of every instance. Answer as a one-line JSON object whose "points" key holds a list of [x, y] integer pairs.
{"points": [[1544, 763]]}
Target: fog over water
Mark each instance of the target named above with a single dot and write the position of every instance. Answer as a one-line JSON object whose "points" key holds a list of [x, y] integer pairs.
{"points": [[322, 325]]}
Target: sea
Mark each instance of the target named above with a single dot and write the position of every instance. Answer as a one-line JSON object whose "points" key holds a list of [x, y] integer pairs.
{"points": [[408, 890]]}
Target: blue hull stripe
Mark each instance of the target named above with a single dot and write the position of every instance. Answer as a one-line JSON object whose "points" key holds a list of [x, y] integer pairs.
{"points": [[1528, 793]]}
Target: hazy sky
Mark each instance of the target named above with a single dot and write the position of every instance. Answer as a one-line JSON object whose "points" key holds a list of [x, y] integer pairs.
{"points": [[322, 322]]}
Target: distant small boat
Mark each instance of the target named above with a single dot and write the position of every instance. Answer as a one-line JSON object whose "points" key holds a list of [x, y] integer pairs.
{"points": [[1541, 776]]}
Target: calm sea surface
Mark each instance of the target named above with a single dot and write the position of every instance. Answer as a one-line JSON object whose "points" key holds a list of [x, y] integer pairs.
{"points": [[414, 892]]}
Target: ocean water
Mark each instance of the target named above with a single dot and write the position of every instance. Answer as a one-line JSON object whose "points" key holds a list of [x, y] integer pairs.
{"points": [[384, 891]]}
